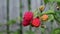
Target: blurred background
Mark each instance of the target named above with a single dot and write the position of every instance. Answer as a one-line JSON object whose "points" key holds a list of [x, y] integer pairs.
{"points": [[13, 9]]}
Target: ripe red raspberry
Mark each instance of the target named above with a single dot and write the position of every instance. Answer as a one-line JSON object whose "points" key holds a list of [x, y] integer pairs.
{"points": [[28, 16], [25, 23], [36, 22]]}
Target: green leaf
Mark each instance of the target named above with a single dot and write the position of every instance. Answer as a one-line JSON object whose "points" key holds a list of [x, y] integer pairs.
{"points": [[56, 31], [57, 16], [58, 0], [58, 3], [51, 17], [48, 12], [51, 0], [46, 1], [36, 13]]}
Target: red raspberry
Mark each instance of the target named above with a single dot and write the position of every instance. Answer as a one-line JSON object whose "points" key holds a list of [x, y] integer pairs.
{"points": [[28, 16], [36, 22], [25, 23]]}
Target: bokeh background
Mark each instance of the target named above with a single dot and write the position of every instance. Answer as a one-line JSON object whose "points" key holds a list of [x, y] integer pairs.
{"points": [[13, 9]]}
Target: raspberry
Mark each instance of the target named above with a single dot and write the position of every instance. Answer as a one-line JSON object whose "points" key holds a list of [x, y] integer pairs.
{"points": [[36, 22], [28, 16], [25, 23]]}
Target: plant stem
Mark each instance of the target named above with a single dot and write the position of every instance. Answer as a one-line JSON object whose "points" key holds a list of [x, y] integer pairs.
{"points": [[21, 28], [51, 25], [8, 17], [30, 28], [29, 3], [20, 31]]}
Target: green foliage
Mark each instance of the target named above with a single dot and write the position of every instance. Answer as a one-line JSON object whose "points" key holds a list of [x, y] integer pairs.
{"points": [[36, 13], [48, 12], [10, 22], [46, 1], [51, 0], [56, 31], [58, 0], [16, 32], [1, 32], [50, 18], [57, 16], [58, 3], [30, 32], [42, 29]]}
